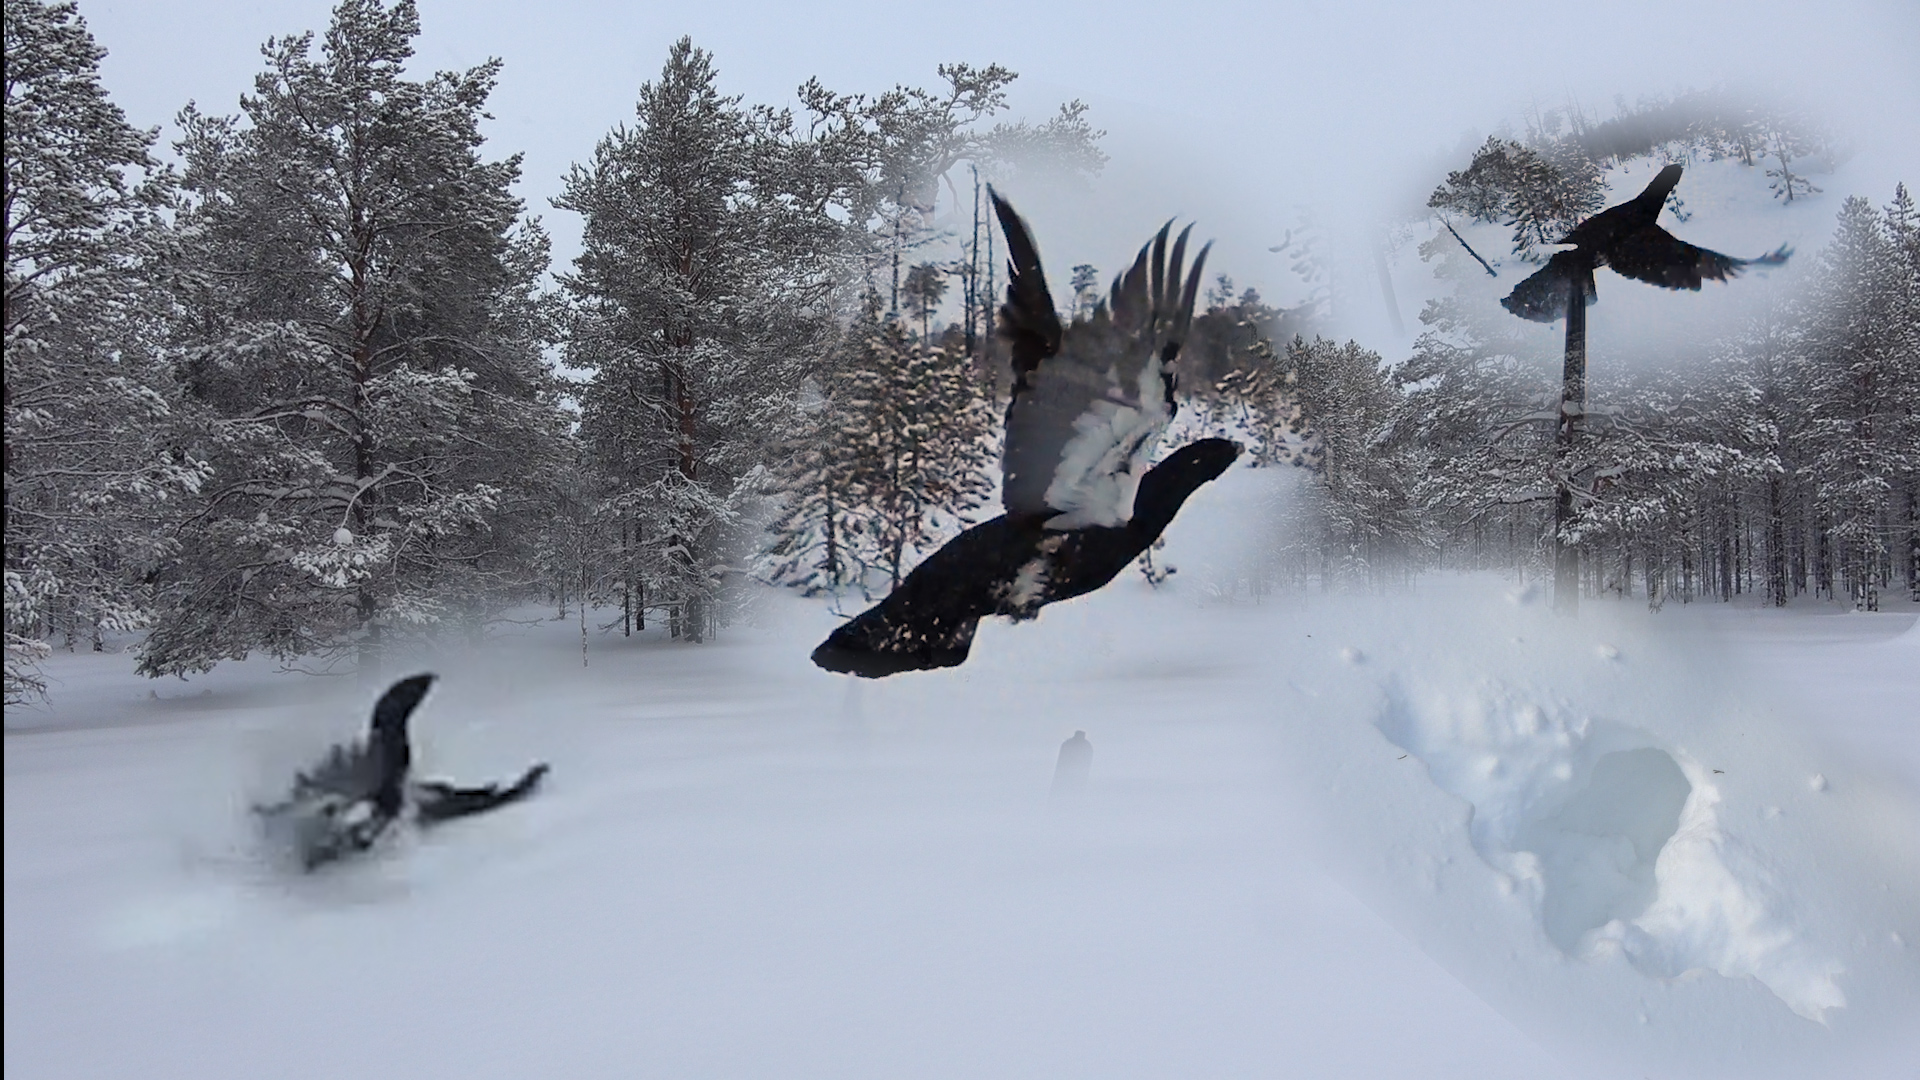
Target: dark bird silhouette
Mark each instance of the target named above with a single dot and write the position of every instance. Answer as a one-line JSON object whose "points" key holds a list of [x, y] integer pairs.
{"points": [[1627, 239], [1090, 402], [1070, 771], [345, 802]]}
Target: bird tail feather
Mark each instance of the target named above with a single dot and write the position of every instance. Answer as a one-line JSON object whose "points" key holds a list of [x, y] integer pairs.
{"points": [[883, 641]]}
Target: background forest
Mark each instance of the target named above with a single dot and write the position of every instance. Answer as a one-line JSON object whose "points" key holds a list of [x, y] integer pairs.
{"points": [[312, 385]]}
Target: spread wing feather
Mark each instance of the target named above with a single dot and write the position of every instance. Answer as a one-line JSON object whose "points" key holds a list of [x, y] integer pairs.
{"points": [[1657, 257], [1027, 318], [1089, 403]]}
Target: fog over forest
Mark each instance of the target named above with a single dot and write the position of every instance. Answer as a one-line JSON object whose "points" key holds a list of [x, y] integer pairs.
{"points": [[1235, 116]]}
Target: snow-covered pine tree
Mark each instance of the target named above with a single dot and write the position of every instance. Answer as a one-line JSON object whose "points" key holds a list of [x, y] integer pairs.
{"points": [[1903, 231], [91, 467], [920, 296], [1348, 412], [1257, 401], [701, 301], [1759, 372], [901, 146], [1086, 290], [1541, 191], [1860, 345], [1786, 144], [1662, 466], [918, 430], [1481, 401], [1234, 338], [821, 535], [361, 311]]}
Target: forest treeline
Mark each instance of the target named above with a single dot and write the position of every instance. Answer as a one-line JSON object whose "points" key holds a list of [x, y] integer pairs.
{"points": [[312, 386]]}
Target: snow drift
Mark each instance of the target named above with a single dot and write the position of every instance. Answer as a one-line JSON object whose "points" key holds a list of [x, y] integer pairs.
{"points": [[1616, 842]]}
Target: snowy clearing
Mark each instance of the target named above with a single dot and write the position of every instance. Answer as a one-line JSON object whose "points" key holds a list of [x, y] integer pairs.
{"points": [[1438, 835]]}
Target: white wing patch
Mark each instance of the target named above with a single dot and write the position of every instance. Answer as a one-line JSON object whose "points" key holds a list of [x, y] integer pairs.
{"points": [[1029, 587], [1101, 465], [1028, 592]]}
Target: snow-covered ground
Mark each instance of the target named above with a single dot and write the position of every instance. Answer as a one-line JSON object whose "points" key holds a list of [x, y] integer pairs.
{"points": [[1437, 835]]}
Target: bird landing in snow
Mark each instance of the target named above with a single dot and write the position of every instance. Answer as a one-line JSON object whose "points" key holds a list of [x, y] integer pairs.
{"points": [[347, 801], [1090, 402]]}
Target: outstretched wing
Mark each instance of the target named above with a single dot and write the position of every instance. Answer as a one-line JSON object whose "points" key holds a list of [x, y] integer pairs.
{"points": [[1655, 256], [1543, 296], [1027, 319], [436, 801], [1089, 403]]}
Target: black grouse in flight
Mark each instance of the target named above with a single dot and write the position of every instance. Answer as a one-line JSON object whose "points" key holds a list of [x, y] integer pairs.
{"points": [[1090, 402], [347, 801], [1627, 239]]}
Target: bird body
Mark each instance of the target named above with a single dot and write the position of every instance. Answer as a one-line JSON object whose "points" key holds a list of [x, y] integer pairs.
{"points": [[1011, 566], [1628, 240], [1090, 403], [1075, 763]]}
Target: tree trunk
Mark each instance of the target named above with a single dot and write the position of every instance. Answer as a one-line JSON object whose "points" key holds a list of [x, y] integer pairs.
{"points": [[972, 283], [1776, 546], [1822, 558], [368, 661], [1573, 403], [1913, 542]]}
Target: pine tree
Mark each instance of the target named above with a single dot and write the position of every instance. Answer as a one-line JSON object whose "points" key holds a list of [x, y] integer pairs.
{"points": [[1348, 411], [1541, 191], [1863, 393], [900, 147], [921, 293], [91, 463], [916, 429], [361, 311], [702, 299], [1903, 334], [822, 534], [1786, 144]]}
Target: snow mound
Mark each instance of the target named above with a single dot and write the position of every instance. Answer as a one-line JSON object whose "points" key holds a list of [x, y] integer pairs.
{"points": [[1614, 839]]}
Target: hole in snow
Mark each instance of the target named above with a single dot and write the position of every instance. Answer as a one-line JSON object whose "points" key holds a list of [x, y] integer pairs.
{"points": [[1576, 811], [1598, 849]]}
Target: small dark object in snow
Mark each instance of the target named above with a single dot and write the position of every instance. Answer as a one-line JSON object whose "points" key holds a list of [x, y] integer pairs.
{"points": [[1071, 771], [1626, 238], [348, 800], [1090, 402]]}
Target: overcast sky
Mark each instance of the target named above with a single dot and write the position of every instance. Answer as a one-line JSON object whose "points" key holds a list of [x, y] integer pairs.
{"points": [[1239, 115]]}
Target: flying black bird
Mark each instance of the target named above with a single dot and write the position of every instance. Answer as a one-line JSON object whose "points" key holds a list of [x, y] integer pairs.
{"points": [[347, 801], [1626, 238], [1089, 405]]}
